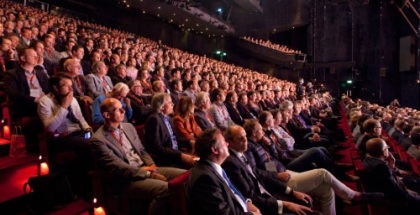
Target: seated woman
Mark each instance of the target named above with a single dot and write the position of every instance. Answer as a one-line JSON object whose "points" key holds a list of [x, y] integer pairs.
{"points": [[119, 92], [185, 127]]}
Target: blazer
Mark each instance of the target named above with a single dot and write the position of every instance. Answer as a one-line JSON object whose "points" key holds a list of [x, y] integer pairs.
{"points": [[17, 89], [185, 131], [202, 120], [81, 90], [158, 142], [244, 111], [209, 194], [95, 86], [381, 178], [234, 114], [247, 184], [110, 157]]}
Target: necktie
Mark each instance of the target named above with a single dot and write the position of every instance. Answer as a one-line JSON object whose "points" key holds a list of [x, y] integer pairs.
{"points": [[72, 117], [232, 187], [171, 133]]}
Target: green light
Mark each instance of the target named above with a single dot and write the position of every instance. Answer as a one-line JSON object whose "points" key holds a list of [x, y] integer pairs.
{"points": [[224, 53], [349, 81]]}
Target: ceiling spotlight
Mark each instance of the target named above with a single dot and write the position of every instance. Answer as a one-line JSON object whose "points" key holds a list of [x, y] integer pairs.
{"points": [[159, 8]]}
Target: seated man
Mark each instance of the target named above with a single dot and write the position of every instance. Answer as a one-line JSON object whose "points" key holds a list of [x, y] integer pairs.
{"points": [[209, 190], [131, 171], [24, 86], [160, 137], [317, 182], [61, 116], [253, 183], [201, 112], [414, 148], [381, 175], [372, 128]]}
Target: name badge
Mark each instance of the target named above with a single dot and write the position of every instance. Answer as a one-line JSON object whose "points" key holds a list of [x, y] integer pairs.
{"points": [[270, 166], [35, 92]]}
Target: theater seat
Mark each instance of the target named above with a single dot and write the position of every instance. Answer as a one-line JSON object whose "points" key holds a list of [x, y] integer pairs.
{"points": [[177, 194]]}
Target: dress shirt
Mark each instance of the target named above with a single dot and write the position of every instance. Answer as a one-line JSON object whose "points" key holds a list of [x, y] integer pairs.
{"points": [[54, 117], [133, 158], [171, 132]]}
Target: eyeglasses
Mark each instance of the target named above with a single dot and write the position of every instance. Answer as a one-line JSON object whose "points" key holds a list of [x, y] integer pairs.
{"points": [[121, 110], [378, 127]]}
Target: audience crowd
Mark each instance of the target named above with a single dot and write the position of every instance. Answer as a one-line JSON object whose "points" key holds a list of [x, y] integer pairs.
{"points": [[269, 44], [253, 144]]}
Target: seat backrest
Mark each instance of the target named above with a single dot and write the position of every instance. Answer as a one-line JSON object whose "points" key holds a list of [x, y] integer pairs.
{"points": [[415, 165], [177, 194]]}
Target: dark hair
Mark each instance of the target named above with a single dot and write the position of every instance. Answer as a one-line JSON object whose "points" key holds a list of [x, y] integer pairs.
{"points": [[229, 95], [55, 79], [76, 47], [263, 116], [214, 93], [173, 83], [415, 138], [205, 141]]}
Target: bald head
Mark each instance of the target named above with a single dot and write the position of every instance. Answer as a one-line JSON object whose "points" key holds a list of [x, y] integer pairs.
{"points": [[108, 104], [235, 135], [375, 147]]}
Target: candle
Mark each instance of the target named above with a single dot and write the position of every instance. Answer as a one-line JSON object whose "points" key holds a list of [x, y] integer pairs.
{"points": [[98, 211], [6, 132], [44, 169]]}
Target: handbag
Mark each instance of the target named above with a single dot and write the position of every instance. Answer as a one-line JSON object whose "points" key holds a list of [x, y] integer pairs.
{"points": [[17, 143]]}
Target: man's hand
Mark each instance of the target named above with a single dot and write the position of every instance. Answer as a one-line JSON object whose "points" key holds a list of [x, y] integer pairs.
{"points": [[127, 101], [391, 160], [283, 176], [252, 208], [265, 140], [151, 168], [303, 197], [315, 129], [158, 176], [67, 99], [188, 159], [295, 208]]}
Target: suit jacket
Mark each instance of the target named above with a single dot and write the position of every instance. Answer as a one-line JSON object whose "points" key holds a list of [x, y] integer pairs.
{"points": [[110, 157], [202, 120], [185, 131], [247, 184], [244, 111], [95, 86], [141, 108], [17, 88], [234, 114], [82, 89], [209, 194], [381, 178], [159, 143]]}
